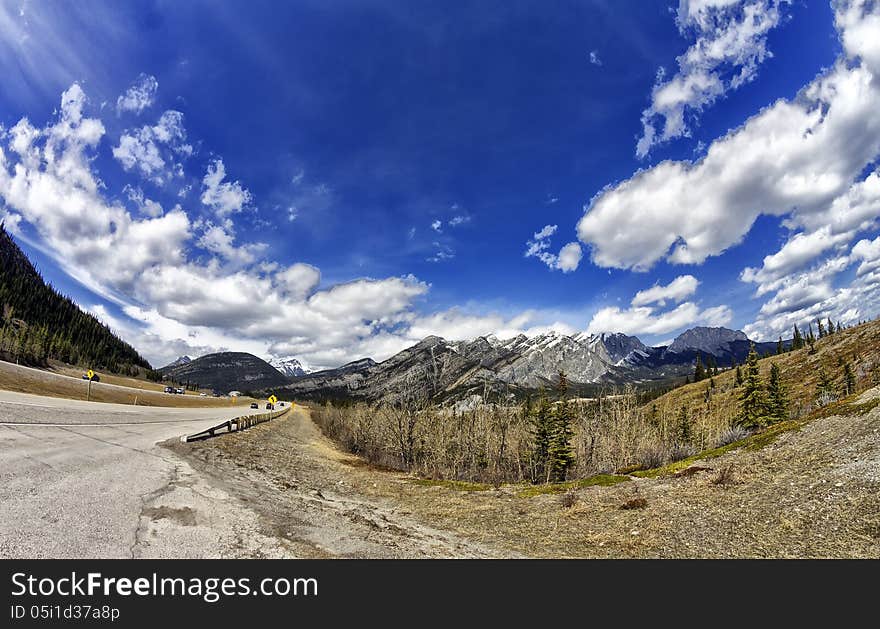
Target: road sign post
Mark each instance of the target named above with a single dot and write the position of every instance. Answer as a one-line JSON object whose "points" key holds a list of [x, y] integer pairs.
{"points": [[90, 374]]}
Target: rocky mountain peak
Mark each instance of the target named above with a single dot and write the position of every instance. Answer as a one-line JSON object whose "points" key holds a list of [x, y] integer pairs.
{"points": [[706, 339]]}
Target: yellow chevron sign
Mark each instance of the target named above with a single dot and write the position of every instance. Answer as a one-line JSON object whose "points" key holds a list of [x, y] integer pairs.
{"points": [[272, 399], [90, 374]]}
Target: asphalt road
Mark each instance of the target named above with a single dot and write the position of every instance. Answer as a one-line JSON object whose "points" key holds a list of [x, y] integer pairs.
{"points": [[86, 479]]}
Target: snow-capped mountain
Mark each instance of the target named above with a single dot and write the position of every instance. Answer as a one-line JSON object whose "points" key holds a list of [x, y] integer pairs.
{"points": [[182, 360], [436, 367], [289, 366]]}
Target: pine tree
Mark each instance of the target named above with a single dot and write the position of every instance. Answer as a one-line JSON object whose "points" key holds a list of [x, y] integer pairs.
{"points": [[560, 453], [797, 341], [541, 420], [780, 348], [699, 372], [738, 381], [839, 329], [824, 387], [683, 427], [830, 326], [849, 379], [821, 328], [752, 400], [777, 396], [811, 338]]}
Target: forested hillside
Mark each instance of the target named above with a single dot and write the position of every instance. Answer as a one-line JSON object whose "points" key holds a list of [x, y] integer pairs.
{"points": [[38, 323]]}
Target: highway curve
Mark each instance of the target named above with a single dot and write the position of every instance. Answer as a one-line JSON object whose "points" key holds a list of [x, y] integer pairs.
{"points": [[83, 479]]}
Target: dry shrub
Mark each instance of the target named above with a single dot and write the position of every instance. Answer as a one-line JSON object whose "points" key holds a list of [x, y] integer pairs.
{"points": [[732, 435], [724, 476], [569, 499], [493, 443], [634, 503]]}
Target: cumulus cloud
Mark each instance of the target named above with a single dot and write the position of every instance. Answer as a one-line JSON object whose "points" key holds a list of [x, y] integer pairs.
{"points": [[645, 320], [793, 158], [224, 197], [645, 314], [174, 300], [568, 258], [219, 239], [139, 96], [152, 150], [677, 290], [730, 43]]}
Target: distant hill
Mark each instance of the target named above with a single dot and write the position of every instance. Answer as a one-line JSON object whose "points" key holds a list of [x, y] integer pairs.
{"points": [[38, 323], [226, 371]]}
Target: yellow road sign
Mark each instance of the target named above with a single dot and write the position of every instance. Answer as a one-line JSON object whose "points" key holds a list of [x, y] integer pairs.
{"points": [[90, 374], [272, 399]]}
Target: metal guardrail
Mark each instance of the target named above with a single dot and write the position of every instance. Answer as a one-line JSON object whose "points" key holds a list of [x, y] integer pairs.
{"points": [[235, 424]]}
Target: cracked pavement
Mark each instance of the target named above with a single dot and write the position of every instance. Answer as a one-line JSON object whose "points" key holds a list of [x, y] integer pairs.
{"points": [[87, 480]]}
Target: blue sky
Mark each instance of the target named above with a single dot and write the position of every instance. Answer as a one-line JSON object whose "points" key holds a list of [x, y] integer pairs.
{"points": [[331, 180]]}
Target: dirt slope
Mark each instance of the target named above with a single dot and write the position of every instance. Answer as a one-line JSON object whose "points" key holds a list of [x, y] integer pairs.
{"points": [[814, 492]]}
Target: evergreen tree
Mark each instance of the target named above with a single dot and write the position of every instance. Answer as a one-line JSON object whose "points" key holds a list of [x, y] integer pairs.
{"points": [[797, 341], [849, 379], [821, 328], [541, 420], [753, 403], [738, 381], [779, 347], [683, 427], [777, 396], [838, 326], [830, 326], [699, 372], [811, 338], [560, 453], [824, 387]]}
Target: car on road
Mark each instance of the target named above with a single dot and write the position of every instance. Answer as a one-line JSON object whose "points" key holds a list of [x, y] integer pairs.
{"points": [[180, 391], [270, 406], [94, 378], [169, 389], [280, 404], [254, 405]]}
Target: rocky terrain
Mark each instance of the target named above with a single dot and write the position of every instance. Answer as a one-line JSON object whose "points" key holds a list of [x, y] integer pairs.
{"points": [[438, 368], [289, 366]]}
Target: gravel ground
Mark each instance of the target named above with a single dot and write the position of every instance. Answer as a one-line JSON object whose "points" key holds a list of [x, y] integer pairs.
{"points": [[305, 493], [811, 493]]}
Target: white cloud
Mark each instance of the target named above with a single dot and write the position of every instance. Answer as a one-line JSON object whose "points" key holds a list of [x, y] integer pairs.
{"points": [[437, 226], [149, 149], [148, 267], [568, 258], [677, 290], [868, 253], [224, 197], [139, 96], [594, 58], [219, 239], [645, 320], [793, 158], [148, 207], [730, 43], [643, 317], [460, 219]]}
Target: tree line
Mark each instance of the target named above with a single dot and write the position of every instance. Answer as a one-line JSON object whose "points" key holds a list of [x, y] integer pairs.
{"points": [[38, 323]]}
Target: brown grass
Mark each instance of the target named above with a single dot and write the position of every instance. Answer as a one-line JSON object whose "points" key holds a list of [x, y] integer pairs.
{"points": [[73, 387]]}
